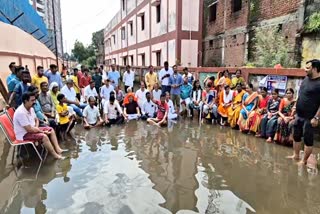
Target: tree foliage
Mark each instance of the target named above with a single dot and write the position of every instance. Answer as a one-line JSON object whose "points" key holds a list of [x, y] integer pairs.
{"points": [[313, 23], [86, 55], [271, 48]]}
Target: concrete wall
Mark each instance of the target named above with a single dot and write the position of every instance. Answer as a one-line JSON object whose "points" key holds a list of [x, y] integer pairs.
{"points": [[226, 40], [158, 29], [159, 47], [189, 53], [172, 52], [172, 15], [310, 48], [190, 15], [145, 34], [22, 48]]}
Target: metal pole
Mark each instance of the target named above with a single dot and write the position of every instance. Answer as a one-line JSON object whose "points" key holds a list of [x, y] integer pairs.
{"points": [[55, 32]]}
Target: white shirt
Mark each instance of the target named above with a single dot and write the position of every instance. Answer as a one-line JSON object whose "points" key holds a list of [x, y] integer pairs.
{"points": [[162, 73], [149, 108], [22, 117], [141, 96], [91, 114], [171, 107], [156, 94], [88, 92], [70, 94], [111, 110], [105, 91], [128, 78], [104, 75]]}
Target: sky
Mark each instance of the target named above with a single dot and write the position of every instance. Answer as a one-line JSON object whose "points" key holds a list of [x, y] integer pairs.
{"points": [[80, 18]]}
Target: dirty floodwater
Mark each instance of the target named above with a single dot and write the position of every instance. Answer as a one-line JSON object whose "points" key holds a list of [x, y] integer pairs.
{"points": [[137, 168]]}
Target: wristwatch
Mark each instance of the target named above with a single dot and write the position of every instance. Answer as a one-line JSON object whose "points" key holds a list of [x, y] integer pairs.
{"points": [[317, 118]]}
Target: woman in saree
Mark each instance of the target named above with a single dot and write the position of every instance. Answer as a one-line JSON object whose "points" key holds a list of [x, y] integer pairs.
{"points": [[256, 116], [234, 110], [54, 91], [249, 104], [285, 120], [225, 101], [223, 79], [269, 122]]}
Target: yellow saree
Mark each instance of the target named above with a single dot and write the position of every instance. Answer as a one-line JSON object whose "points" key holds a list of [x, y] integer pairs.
{"points": [[234, 111]]}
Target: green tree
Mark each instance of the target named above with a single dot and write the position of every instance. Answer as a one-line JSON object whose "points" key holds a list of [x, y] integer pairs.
{"points": [[79, 51], [271, 48]]}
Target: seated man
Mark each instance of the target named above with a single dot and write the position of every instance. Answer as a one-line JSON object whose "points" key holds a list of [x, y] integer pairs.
{"points": [[71, 98], [112, 111], [91, 115], [43, 119], [185, 95], [46, 101], [105, 91], [172, 114], [162, 113], [131, 108], [26, 127], [89, 91], [149, 108]]}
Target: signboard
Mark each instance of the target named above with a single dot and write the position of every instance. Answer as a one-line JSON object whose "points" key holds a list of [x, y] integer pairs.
{"points": [[272, 82], [204, 75]]}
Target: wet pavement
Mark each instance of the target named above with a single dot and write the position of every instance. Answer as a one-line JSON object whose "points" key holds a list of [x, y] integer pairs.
{"points": [[137, 168]]}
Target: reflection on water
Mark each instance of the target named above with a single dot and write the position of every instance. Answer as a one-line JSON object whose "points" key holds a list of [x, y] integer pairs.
{"points": [[139, 168]]}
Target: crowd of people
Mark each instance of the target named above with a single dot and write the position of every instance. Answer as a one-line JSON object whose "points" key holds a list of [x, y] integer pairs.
{"points": [[47, 103]]}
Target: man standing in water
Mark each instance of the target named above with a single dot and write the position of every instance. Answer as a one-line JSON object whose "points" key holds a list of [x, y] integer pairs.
{"points": [[308, 111], [164, 75]]}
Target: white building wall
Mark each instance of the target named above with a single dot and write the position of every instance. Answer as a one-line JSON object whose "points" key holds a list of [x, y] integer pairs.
{"points": [[190, 15], [172, 16], [189, 53], [159, 47], [172, 52], [132, 39], [132, 53], [131, 4], [145, 34], [158, 29], [146, 52]]}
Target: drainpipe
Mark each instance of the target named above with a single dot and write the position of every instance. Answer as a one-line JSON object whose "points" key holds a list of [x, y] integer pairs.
{"points": [[224, 36]]}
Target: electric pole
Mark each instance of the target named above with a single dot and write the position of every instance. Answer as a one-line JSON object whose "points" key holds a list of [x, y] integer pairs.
{"points": [[55, 32]]}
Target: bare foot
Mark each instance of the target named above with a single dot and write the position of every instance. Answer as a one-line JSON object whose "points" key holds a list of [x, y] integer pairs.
{"points": [[58, 157], [293, 157], [269, 140], [302, 163]]}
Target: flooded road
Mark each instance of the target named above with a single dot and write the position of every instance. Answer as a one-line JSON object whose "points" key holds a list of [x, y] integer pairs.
{"points": [[139, 168]]}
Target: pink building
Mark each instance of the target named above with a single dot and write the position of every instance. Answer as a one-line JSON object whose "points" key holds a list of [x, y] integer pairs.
{"points": [[150, 32]]}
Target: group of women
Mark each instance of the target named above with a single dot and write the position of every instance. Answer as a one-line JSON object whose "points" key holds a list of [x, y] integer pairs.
{"points": [[238, 105]]}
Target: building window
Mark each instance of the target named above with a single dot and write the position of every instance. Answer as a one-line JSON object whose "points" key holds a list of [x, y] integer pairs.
{"points": [[114, 39], [131, 57], [237, 5], [142, 22], [131, 29], [213, 12], [158, 8], [210, 43], [123, 5], [125, 60], [123, 33], [158, 58], [143, 59]]}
